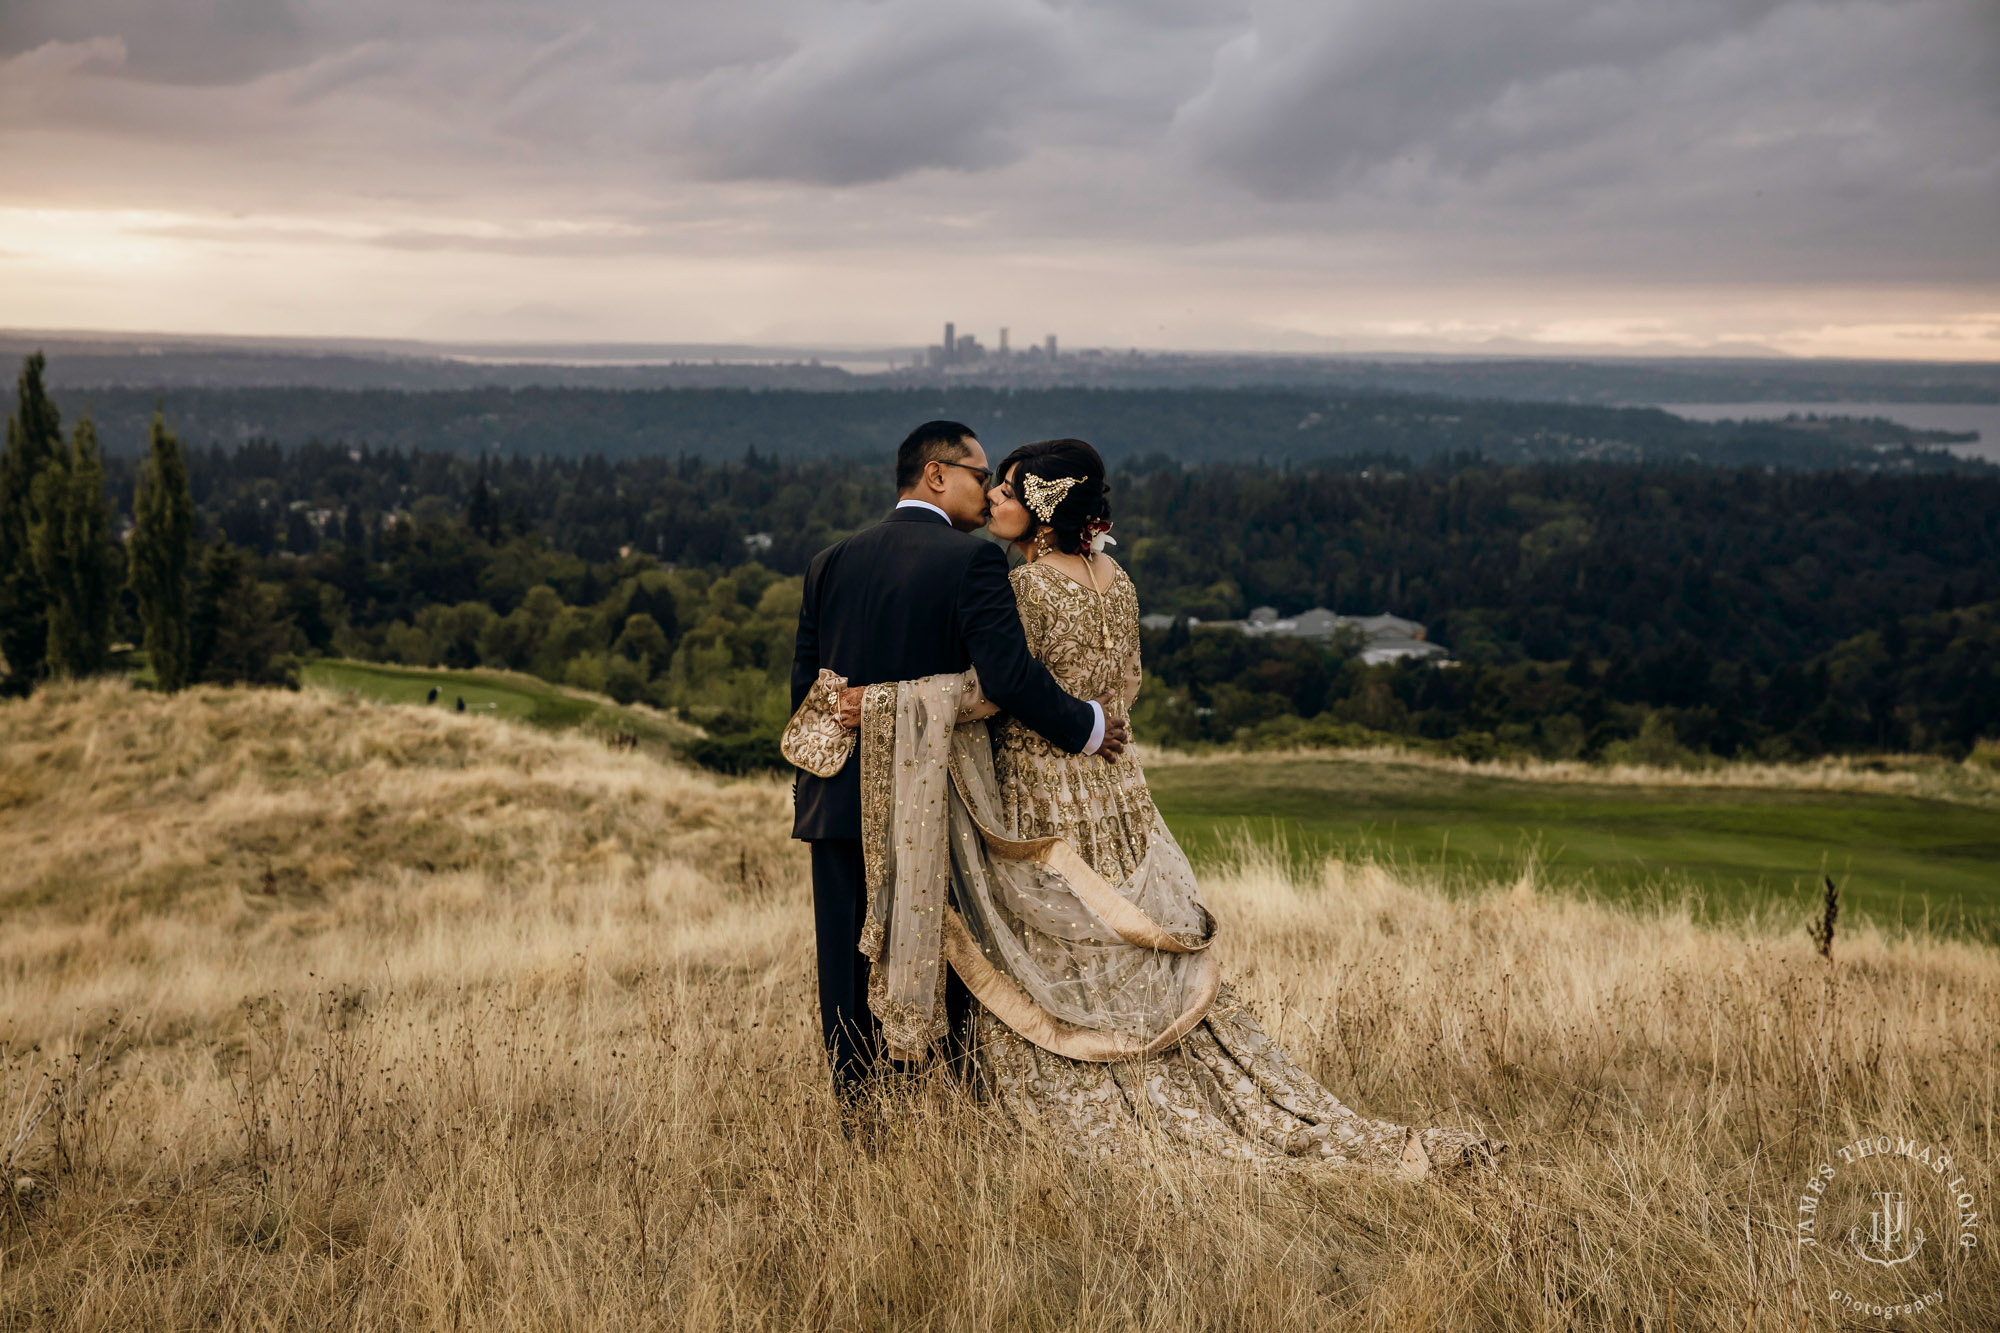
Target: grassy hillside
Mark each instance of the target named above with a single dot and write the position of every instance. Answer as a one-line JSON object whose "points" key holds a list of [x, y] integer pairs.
{"points": [[509, 694], [316, 1012], [1921, 849]]}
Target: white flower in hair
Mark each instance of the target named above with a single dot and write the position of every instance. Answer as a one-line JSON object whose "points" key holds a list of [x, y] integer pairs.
{"points": [[1102, 540]]}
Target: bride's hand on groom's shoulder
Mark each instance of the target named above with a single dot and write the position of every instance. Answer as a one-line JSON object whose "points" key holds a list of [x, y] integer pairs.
{"points": [[1117, 730]]}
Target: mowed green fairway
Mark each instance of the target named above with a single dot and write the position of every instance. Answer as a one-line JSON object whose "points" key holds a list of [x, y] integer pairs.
{"points": [[1897, 859], [490, 694]]}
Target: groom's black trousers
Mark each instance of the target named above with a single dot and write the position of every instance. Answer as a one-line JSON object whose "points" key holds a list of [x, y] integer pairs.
{"points": [[852, 1034]]}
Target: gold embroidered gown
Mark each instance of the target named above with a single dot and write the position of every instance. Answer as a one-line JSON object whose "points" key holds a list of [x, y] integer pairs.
{"points": [[1226, 1088]]}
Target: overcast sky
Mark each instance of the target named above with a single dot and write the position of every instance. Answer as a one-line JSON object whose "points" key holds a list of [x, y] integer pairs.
{"points": [[1812, 177]]}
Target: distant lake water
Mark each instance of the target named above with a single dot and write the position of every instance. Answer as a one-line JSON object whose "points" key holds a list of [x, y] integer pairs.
{"points": [[1982, 417]]}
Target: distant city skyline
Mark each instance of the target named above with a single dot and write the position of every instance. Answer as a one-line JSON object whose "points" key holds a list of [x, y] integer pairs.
{"points": [[1793, 177], [957, 349]]}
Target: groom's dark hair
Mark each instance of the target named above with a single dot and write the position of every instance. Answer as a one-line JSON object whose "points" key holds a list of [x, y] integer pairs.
{"points": [[931, 442]]}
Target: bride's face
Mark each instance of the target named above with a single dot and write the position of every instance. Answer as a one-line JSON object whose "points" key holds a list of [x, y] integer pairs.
{"points": [[1007, 518]]}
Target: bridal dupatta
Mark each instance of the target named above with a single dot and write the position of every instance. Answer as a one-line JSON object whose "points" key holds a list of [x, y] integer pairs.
{"points": [[1078, 966]]}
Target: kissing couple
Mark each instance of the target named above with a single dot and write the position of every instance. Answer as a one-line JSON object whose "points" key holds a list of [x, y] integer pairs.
{"points": [[991, 880]]}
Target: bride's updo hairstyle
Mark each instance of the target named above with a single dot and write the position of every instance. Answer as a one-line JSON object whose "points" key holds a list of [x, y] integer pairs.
{"points": [[1083, 504]]}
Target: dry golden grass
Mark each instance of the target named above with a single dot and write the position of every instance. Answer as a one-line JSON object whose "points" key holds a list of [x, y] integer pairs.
{"points": [[325, 1015]]}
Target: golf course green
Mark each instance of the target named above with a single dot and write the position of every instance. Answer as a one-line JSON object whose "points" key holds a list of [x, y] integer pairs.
{"points": [[505, 694], [1897, 859]]}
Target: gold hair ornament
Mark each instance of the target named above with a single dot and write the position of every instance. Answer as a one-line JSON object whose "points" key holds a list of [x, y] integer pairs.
{"points": [[1044, 496]]}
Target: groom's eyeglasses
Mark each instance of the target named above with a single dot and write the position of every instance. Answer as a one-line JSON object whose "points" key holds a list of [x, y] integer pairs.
{"points": [[985, 474]]}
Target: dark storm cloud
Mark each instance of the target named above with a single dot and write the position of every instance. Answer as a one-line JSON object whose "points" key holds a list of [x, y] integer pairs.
{"points": [[1779, 138], [185, 41], [1658, 138], [1316, 93], [877, 91], [1315, 96]]}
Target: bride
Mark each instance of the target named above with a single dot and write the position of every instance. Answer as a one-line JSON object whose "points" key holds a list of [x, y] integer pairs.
{"points": [[1049, 883]]}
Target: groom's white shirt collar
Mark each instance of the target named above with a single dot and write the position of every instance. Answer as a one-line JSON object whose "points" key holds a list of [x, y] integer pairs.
{"points": [[1096, 709]]}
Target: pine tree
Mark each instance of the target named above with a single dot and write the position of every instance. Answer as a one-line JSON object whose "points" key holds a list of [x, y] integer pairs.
{"points": [[70, 544], [237, 633], [34, 439], [482, 514], [161, 550], [217, 578], [653, 595]]}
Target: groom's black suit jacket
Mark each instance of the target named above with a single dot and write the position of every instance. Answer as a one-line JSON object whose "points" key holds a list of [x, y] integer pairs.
{"points": [[912, 597]]}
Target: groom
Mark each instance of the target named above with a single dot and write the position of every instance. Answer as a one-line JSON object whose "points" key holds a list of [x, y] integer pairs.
{"points": [[916, 595]]}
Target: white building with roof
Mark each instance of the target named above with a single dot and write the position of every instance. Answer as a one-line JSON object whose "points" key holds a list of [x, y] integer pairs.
{"points": [[1384, 638]]}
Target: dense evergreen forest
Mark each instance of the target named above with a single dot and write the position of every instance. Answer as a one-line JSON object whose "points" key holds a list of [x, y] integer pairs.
{"points": [[1663, 611], [1278, 426]]}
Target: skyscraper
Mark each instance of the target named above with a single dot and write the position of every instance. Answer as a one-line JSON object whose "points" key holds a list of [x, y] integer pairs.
{"points": [[950, 342]]}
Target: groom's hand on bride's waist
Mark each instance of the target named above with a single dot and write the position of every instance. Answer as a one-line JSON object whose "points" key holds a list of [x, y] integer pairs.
{"points": [[1117, 731]]}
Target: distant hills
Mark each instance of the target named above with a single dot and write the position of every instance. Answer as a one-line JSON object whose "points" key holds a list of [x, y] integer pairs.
{"points": [[723, 402], [86, 360]]}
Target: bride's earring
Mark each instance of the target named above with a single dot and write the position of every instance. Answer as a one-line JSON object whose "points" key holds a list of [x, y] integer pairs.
{"points": [[1042, 544]]}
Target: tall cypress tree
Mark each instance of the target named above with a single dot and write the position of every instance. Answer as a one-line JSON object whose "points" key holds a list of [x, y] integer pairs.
{"points": [[162, 549], [34, 439], [70, 542]]}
